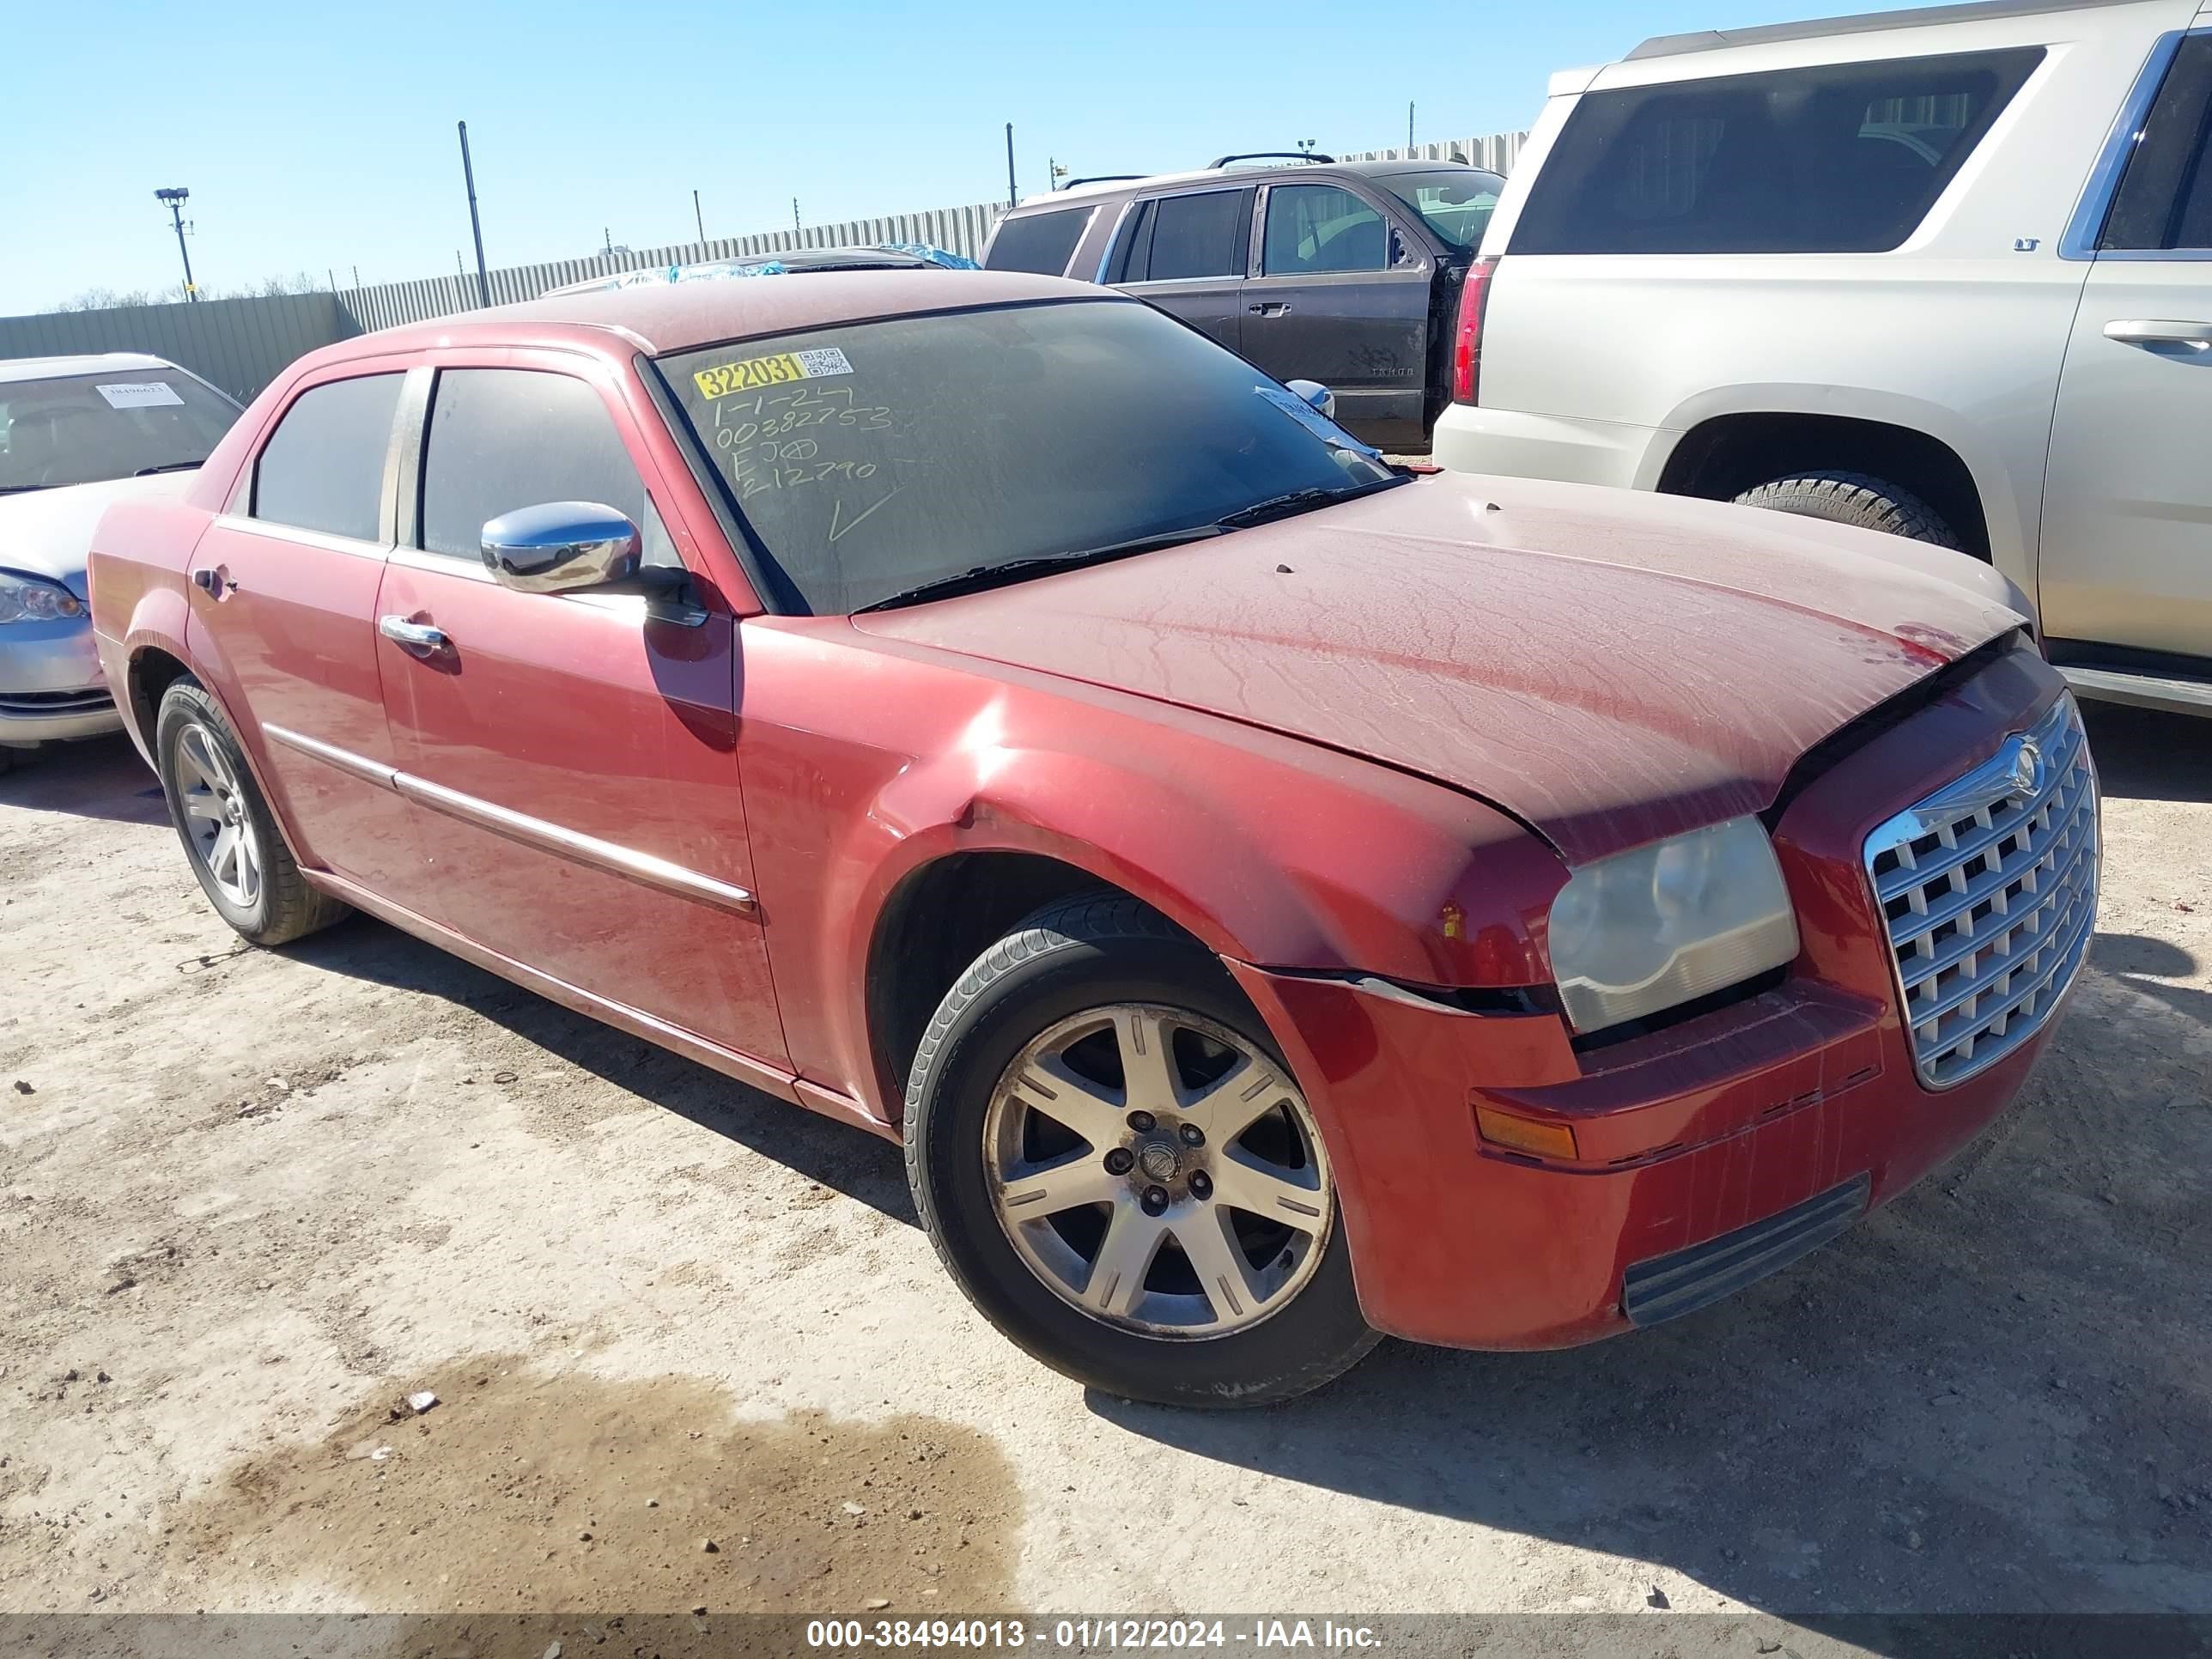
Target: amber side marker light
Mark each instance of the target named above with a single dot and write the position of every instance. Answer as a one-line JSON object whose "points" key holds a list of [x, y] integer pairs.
{"points": [[1522, 1135]]}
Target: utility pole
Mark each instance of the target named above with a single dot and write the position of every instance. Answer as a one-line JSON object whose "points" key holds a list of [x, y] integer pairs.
{"points": [[1013, 196], [176, 197], [1409, 129], [475, 225], [333, 272], [699, 217], [794, 216], [356, 275]]}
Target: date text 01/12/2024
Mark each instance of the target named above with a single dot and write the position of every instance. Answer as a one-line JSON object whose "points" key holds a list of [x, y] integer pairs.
{"points": [[1091, 1635]]}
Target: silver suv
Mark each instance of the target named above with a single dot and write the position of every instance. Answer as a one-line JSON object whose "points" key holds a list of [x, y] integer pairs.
{"points": [[1945, 273]]}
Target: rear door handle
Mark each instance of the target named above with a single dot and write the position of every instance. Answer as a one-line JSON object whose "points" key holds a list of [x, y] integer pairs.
{"points": [[1270, 307], [419, 637], [2158, 331]]}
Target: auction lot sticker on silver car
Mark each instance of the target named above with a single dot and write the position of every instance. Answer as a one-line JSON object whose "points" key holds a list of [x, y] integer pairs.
{"points": [[139, 394]]}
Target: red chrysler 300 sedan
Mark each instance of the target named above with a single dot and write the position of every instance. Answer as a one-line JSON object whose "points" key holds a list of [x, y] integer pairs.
{"points": [[1274, 898]]}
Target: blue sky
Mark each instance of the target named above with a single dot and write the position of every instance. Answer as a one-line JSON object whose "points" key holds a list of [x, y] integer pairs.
{"points": [[317, 137]]}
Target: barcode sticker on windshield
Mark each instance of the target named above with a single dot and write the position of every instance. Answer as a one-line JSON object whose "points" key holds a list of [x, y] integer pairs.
{"points": [[752, 374], [140, 394]]}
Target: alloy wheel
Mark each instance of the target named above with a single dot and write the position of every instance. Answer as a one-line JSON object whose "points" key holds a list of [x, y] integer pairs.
{"points": [[1158, 1172], [218, 822]]}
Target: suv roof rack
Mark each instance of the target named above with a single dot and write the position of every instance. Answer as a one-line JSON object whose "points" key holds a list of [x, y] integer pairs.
{"points": [[1098, 179], [1314, 156]]}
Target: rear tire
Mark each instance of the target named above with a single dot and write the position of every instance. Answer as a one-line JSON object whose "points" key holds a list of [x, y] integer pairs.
{"points": [[973, 1139], [230, 836], [1854, 498]]}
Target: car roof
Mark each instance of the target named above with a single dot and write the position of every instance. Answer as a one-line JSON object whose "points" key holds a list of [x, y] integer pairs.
{"points": [[1228, 176], [677, 316], [1976, 11], [53, 369]]}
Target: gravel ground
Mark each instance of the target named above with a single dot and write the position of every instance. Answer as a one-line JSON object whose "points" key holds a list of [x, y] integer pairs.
{"points": [[249, 1201]]}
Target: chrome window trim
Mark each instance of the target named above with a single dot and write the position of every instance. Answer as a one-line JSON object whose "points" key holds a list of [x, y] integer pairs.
{"points": [[441, 564], [2095, 206], [624, 861], [2048, 768], [302, 537]]}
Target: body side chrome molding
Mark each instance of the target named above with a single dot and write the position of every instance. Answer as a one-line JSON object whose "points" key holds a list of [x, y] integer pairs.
{"points": [[633, 866], [345, 760]]}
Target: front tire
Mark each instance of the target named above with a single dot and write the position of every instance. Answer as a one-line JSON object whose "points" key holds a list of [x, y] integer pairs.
{"points": [[230, 836], [1854, 498], [1120, 1171]]}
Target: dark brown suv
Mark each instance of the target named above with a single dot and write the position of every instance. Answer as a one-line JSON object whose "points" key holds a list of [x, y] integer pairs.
{"points": [[1344, 272]]}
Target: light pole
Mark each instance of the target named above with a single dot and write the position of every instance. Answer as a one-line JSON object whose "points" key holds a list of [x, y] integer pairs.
{"points": [[475, 225], [176, 197]]}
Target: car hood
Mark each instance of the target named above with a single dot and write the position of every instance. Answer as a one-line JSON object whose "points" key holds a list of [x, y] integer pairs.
{"points": [[48, 533], [1611, 667]]}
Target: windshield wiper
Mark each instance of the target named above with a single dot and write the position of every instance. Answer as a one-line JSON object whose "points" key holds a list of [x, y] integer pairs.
{"points": [[1301, 500], [977, 578], [165, 466], [17, 489]]}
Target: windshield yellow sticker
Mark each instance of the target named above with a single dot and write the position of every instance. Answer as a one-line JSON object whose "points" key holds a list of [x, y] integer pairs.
{"points": [[752, 374]]}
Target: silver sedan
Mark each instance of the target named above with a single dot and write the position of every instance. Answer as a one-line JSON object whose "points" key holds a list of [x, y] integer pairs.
{"points": [[78, 433]]}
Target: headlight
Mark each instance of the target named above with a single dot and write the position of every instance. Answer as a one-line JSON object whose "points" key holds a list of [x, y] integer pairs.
{"points": [[1656, 928], [34, 599]]}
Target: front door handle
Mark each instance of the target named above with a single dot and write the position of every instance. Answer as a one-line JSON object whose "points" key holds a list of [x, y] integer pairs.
{"points": [[419, 638], [1269, 307], [212, 580], [2158, 331]]}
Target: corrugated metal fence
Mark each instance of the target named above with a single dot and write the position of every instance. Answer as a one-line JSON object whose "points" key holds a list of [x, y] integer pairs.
{"points": [[961, 230], [1498, 151], [242, 344]]}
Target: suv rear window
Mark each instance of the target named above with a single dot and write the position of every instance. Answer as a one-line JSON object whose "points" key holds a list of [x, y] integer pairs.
{"points": [[2165, 201], [1839, 158], [1039, 242]]}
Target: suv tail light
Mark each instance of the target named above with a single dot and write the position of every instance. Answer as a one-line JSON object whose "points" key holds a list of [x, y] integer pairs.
{"points": [[1466, 342]]}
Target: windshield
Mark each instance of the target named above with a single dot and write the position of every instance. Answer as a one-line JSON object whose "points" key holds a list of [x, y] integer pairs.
{"points": [[1456, 202], [874, 458], [84, 427]]}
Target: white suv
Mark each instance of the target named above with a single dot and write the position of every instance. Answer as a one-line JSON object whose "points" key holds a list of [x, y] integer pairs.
{"points": [[1946, 273]]}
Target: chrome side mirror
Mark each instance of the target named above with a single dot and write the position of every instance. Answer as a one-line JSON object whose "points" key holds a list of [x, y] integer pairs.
{"points": [[1317, 394], [558, 546]]}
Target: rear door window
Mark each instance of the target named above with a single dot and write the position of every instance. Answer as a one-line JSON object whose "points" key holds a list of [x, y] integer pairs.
{"points": [[1039, 242], [1314, 228], [323, 468], [1843, 158], [501, 438], [1187, 238], [2165, 199]]}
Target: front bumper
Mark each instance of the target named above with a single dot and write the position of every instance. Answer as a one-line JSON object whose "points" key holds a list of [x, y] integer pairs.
{"points": [[51, 687], [1804, 1095], [1470, 438]]}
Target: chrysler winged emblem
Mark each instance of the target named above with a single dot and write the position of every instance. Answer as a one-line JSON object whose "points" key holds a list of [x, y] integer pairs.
{"points": [[2027, 768]]}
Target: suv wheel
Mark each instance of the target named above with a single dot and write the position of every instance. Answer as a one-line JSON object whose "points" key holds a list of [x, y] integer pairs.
{"points": [[230, 836], [1854, 498], [1118, 1168]]}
